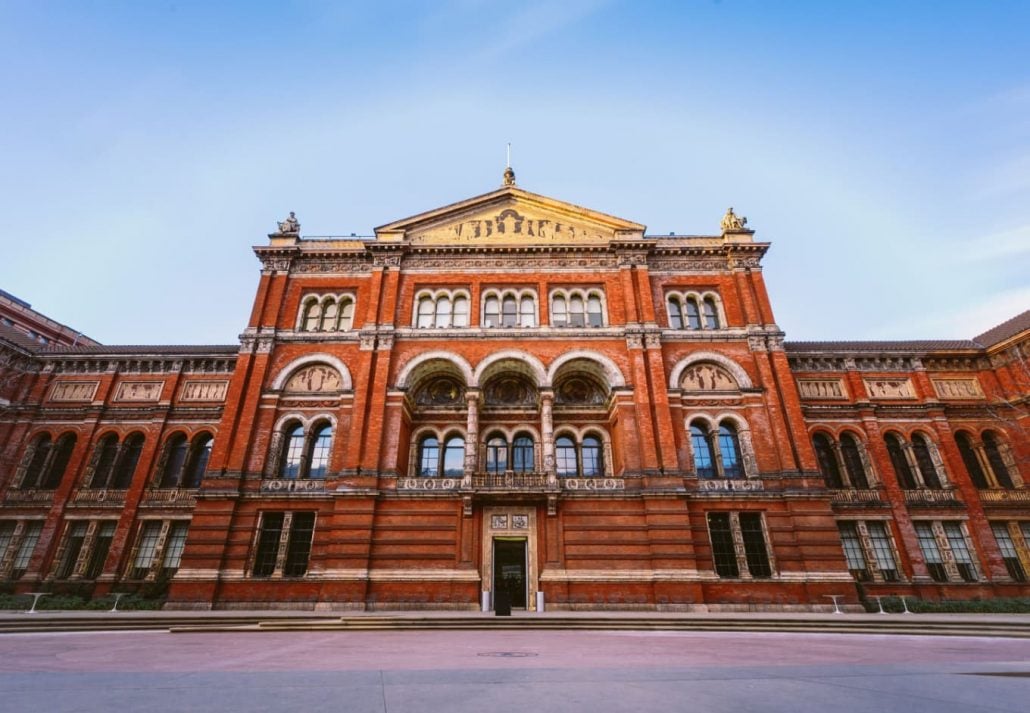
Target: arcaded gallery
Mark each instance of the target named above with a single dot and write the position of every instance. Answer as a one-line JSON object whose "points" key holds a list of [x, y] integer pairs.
{"points": [[512, 397]]}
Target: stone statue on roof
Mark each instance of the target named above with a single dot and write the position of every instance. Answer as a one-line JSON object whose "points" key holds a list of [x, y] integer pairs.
{"points": [[731, 221], [290, 226]]}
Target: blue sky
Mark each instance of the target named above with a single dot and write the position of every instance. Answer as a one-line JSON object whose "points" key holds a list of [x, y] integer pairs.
{"points": [[883, 148]]}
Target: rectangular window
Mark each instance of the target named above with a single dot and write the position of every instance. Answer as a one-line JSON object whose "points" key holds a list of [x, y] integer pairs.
{"points": [[931, 553], [174, 546], [1008, 551], [28, 544], [754, 544], [883, 551], [102, 545], [299, 548], [723, 552], [6, 535], [268, 544], [72, 548], [960, 551], [853, 551], [149, 534]]}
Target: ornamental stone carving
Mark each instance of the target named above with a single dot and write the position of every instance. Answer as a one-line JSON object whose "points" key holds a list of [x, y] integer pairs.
{"points": [[290, 226], [889, 388], [204, 390], [74, 391], [139, 391], [593, 484], [316, 379], [957, 388], [707, 377], [822, 389], [732, 223]]}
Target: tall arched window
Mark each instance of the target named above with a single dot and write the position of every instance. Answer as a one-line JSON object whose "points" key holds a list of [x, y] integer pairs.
{"points": [[312, 316], [921, 450], [330, 310], [729, 449], [565, 454], [693, 317], [703, 463], [895, 449], [293, 452], [492, 312], [509, 311], [853, 461], [992, 449], [559, 312], [346, 313], [461, 312], [106, 454], [675, 313], [595, 315], [454, 457], [125, 468], [577, 316], [175, 460], [429, 457], [200, 453], [711, 314], [443, 312], [59, 463], [321, 447], [425, 313], [827, 460], [527, 312], [969, 459], [522, 454], [40, 455], [593, 463], [496, 455]]}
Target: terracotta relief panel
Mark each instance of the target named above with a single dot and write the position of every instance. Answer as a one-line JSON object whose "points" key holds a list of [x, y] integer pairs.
{"points": [[74, 391]]}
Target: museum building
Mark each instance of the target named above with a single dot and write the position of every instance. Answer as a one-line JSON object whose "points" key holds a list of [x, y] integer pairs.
{"points": [[514, 396]]}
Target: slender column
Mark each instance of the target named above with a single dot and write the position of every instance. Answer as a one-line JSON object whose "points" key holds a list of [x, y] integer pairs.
{"points": [[547, 435], [472, 437]]}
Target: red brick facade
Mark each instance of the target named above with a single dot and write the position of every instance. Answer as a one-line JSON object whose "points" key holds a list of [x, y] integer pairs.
{"points": [[513, 393]]}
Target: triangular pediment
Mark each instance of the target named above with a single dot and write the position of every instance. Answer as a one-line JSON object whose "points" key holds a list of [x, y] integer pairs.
{"points": [[510, 216]]}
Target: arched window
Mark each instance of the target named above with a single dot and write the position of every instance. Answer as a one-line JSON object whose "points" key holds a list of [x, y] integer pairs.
{"points": [[330, 310], [992, 449], [125, 468], [443, 312], [454, 457], [693, 317], [729, 449], [175, 460], [425, 313], [312, 316], [200, 453], [293, 452], [346, 314], [969, 459], [527, 315], [675, 313], [492, 312], [593, 464], [106, 453], [509, 311], [496, 455], [853, 461], [595, 315], [827, 460], [429, 457], [461, 312], [711, 314], [577, 318], [895, 449], [559, 312], [59, 464], [565, 454], [40, 454], [522, 454], [703, 463], [921, 450], [321, 446]]}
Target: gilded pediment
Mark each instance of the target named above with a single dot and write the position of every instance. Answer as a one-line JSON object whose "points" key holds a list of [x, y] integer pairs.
{"points": [[510, 216]]}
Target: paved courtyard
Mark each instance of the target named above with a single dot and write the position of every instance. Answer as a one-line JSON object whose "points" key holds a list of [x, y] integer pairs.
{"points": [[456, 671]]}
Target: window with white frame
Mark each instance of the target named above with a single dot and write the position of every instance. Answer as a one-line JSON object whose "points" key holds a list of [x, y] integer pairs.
{"points": [[579, 458], [694, 310], [509, 307], [441, 309], [326, 313], [717, 451], [300, 453], [578, 308]]}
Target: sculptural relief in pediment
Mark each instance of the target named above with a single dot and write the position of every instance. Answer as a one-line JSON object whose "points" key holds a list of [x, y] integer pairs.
{"points": [[708, 377], [316, 379], [511, 224]]}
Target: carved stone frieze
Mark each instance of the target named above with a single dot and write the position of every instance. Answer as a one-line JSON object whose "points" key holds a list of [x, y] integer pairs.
{"points": [[822, 389], [139, 391], [292, 486], [501, 262], [592, 484], [315, 379], [428, 484], [900, 388], [74, 390], [730, 485], [356, 264], [197, 390], [957, 388], [707, 377]]}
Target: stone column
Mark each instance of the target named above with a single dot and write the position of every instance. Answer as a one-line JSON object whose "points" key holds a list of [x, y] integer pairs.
{"points": [[472, 438], [547, 435]]}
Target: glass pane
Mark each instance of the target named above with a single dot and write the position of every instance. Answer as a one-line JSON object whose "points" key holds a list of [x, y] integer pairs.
{"points": [[312, 317], [347, 314], [201, 456], [724, 554], [492, 312], [853, 461], [177, 450], [522, 456], [39, 457], [559, 313], [528, 312], [675, 314], [147, 546], [827, 461], [509, 312], [594, 313], [496, 455], [454, 458], [702, 453], [268, 544], [298, 550], [754, 544], [972, 463], [901, 469], [592, 457], [729, 448], [926, 467], [329, 312], [461, 312], [565, 453], [425, 313], [693, 318], [320, 450], [125, 468], [852, 547], [993, 452], [175, 544], [429, 457], [577, 318], [28, 544], [883, 550], [105, 464], [293, 453], [711, 316], [443, 312]]}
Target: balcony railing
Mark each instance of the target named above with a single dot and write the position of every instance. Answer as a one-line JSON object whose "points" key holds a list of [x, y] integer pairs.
{"points": [[1005, 497], [170, 497], [853, 496], [100, 498], [931, 497], [28, 497]]}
